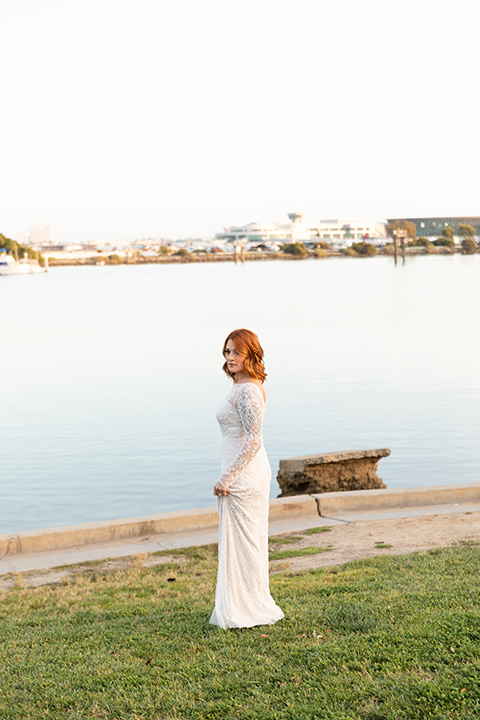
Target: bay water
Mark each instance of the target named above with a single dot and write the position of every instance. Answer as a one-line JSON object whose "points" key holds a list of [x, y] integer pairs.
{"points": [[110, 377]]}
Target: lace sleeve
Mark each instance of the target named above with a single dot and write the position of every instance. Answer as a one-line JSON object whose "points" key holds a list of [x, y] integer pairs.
{"points": [[250, 408]]}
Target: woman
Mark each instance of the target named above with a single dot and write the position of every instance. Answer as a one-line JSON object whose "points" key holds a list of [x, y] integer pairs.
{"points": [[242, 598]]}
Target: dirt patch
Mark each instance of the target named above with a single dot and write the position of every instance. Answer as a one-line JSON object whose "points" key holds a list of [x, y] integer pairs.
{"points": [[395, 536], [36, 578]]}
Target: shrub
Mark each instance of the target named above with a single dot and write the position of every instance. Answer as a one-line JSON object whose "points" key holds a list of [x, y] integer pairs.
{"points": [[296, 248], [182, 252], [364, 249], [425, 243], [445, 242], [115, 259], [469, 246]]}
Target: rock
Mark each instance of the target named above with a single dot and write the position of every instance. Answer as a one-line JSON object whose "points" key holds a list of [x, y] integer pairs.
{"points": [[331, 472]]}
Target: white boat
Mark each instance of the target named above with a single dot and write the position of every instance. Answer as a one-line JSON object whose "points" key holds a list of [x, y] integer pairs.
{"points": [[26, 266]]}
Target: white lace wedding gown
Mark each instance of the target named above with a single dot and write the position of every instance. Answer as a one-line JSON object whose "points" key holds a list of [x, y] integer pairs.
{"points": [[242, 597]]}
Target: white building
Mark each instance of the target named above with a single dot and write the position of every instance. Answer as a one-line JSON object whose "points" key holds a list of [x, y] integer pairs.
{"points": [[40, 235], [338, 232], [344, 232]]}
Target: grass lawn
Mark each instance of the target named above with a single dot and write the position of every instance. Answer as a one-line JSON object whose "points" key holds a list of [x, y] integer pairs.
{"points": [[386, 638]]}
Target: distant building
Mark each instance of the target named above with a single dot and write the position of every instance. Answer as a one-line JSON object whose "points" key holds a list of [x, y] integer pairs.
{"points": [[345, 232], [340, 232], [40, 235], [433, 226], [294, 231], [23, 238]]}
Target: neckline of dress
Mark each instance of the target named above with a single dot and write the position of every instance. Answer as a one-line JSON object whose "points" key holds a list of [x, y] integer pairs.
{"points": [[251, 383]]}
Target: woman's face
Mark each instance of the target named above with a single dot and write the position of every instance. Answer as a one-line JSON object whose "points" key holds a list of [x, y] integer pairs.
{"points": [[235, 361]]}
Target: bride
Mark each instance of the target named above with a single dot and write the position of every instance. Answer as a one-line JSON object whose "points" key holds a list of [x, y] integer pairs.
{"points": [[242, 597]]}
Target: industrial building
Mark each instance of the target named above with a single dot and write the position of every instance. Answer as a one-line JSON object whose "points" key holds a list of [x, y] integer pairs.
{"points": [[433, 226]]}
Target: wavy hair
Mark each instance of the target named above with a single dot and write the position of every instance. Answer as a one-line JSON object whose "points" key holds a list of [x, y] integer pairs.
{"points": [[248, 345]]}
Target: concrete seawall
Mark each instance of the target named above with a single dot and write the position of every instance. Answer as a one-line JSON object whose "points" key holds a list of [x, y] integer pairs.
{"points": [[109, 531], [290, 508], [364, 500]]}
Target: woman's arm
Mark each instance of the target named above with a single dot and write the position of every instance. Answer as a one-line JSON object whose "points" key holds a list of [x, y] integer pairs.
{"points": [[250, 409]]}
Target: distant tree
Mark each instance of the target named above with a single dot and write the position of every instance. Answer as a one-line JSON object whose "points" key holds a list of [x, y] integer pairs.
{"points": [[322, 245], [115, 259], [13, 247], [469, 246], [425, 243], [466, 231], [7, 244], [448, 242], [402, 225], [296, 248], [182, 252], [447, 232], [364, 249]]}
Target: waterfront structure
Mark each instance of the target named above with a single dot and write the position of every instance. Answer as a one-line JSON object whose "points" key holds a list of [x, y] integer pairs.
{"points": [[294, 231], [433, 226], [344, 232], [338, 232]]}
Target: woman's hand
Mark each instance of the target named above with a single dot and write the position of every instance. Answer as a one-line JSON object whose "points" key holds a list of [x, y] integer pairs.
{"points": [[219, 489]]}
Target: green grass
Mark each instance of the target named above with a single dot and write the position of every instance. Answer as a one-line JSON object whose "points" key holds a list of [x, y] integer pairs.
{"points": [[310, 550], [315, 530], [382, 545], [388, 638], [284, 539]]}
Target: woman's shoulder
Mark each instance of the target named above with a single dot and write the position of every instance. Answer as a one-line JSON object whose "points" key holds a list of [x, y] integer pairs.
{"points": [[251, 390]]}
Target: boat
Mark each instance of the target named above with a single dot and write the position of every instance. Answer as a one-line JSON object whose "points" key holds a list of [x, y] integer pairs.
{"points": [[25, 266]]}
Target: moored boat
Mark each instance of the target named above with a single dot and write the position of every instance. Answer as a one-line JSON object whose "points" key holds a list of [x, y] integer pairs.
{"points": [[26, 266]]}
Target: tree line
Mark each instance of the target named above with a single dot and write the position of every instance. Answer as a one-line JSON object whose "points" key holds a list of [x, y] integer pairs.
{"points": [[17, 250], [446, 238]]}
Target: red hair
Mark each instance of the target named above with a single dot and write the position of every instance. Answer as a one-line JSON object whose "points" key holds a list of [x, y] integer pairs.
{"points": [[248, 345]]}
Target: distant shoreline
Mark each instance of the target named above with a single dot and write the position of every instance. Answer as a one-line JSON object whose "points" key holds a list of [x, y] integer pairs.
{"points": [[224, 257]]}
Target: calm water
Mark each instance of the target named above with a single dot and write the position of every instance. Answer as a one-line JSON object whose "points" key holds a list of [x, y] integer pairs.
{"points": [[110, 377]]}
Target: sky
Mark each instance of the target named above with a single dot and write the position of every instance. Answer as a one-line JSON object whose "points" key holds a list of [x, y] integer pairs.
{"points": [[124, 119]]}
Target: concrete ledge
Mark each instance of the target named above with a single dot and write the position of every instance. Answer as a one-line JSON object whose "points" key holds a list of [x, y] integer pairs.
{"points": [[109, 531], [183, 522], [76, 536], [359, 500], [293, 506]]}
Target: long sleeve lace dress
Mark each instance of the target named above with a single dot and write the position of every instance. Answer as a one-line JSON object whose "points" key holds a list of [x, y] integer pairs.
{"points": [[242, 597]]}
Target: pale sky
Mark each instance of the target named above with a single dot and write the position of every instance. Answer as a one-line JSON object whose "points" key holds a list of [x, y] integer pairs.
{"points": [[136, 118]]}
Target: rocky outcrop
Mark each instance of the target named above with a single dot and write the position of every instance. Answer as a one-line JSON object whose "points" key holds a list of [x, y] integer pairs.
{"points": [[331, 472]]}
